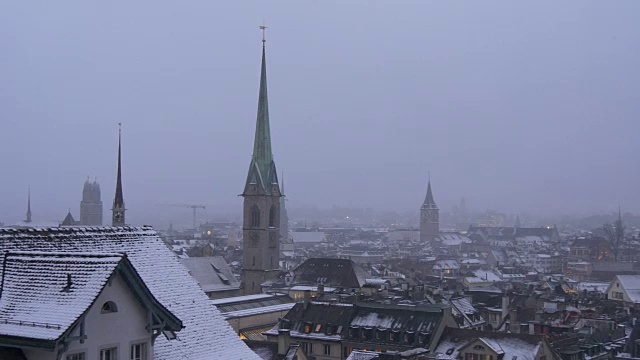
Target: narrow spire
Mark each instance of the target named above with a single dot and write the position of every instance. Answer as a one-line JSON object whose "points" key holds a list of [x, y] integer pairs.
{"points": [[118, 201], [262, 170], [262, 142], [28, 219], [428, 200], [517, 224]]}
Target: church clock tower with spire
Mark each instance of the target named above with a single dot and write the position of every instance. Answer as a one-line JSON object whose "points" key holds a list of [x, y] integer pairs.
{"points": [[261, 209], [429, 218]]}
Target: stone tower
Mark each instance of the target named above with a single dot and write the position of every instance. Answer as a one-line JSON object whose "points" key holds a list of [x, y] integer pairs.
{"points": [[261, 209], [91, 204], [429, 218], [118, 209]]}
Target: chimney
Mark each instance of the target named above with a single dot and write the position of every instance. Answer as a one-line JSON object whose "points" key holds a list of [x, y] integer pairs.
{"points": [[320, 291], [505, 306], [67, 287], [306, 298], [513, 320], [284, 340]]}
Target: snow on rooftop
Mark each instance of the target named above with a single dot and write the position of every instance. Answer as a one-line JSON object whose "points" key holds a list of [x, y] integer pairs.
{"points": [[44, 307], [206, 334]]}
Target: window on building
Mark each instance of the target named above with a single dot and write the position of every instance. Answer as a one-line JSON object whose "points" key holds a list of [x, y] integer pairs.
{"points": [[255, 216], [473, 356], [253, 261], [272, 216], [327, 349], [76, 356], [139, 351], [307, 328], [109, 354], [108, 307], [318, 328], [618, 295], [543, 357]]}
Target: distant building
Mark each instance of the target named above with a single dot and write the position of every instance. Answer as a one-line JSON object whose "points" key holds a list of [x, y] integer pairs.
{"points": [[214, 276], [625, 289], [429, 218], [329, 274], [333, 331], [91, 204], [473, 344]]}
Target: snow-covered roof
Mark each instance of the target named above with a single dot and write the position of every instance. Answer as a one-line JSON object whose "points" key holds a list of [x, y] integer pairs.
{"points": [[630, 284], [39, 301], [507, 345], [212, 273], [446, 265], [206, 334]]}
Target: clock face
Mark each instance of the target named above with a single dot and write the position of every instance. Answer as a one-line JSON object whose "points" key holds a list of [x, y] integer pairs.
{"points": [[425, 215]]}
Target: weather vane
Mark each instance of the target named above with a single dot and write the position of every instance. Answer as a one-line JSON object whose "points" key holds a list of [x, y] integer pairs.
{"points": [[263, 27]]}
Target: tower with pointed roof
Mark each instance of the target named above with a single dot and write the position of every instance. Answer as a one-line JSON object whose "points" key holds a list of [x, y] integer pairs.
{"points": [[261, 208], [91, 204], [429, 218], [28, 218], [118, 209]]}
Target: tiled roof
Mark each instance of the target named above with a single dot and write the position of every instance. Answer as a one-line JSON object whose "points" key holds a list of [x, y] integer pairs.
{"points": [[211, 273], [338, 273], [206, 334], [35, 299]]}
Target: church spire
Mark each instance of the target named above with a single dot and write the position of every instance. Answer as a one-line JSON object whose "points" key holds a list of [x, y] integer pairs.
{"points": [[28, 219], [429, 203], [118, 201], [262, 170], [262, 142]]}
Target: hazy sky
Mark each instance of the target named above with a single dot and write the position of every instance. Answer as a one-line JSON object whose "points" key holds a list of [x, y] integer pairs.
{"points": [[517, 106]]}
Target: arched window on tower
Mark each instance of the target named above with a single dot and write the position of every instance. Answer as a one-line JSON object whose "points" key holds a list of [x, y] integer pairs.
{"points": [[253, 263], [272, 216], [255, 216]]}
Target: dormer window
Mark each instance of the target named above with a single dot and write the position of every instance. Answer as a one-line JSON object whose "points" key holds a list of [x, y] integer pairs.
{"points": [[109, 307], [307, 328]]}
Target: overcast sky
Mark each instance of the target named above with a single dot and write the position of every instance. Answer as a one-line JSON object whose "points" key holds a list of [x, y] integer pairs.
{"points": [[518, 107]]}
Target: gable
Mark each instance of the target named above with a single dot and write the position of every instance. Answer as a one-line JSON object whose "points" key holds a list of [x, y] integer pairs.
{"points": [[159, 269]]}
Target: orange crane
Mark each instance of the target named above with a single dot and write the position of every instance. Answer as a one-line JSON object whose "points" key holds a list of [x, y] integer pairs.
{"points": [[194, 207]]}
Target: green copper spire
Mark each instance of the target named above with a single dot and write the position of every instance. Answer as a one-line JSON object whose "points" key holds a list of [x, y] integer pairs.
{"points": [[262, 170], [262, 143]]}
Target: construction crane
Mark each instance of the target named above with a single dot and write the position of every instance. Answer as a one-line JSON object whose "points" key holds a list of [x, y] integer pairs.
{"points": [[194, 207]]}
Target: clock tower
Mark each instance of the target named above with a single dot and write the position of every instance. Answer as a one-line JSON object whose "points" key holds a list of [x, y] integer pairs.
{"points": [[429, 218], [261, 209]]}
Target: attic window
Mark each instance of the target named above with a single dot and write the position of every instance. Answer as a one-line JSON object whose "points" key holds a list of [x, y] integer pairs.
{"points": [[215, 268], [307, 328], [318, 328], [109, 307], [450, 351], [479, 347]]}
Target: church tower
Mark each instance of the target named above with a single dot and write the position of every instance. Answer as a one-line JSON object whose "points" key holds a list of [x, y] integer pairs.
{"points": [[91, 204], [261, 209], [117, 217], [429, 218]]}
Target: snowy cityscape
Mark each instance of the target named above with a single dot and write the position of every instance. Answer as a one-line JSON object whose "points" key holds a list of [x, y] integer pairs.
{"points": [[420, 219]]}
